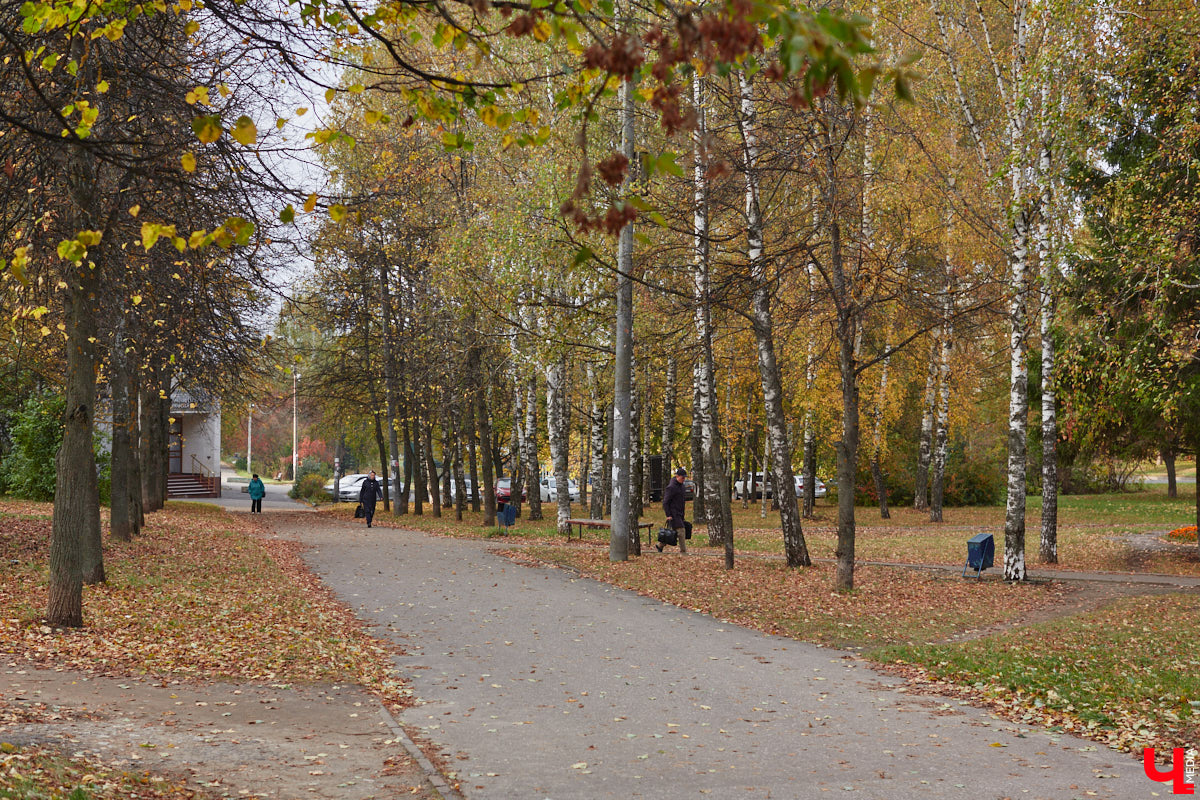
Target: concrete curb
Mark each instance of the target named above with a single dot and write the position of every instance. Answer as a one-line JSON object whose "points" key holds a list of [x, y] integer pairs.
{"points": [[432, 773]]}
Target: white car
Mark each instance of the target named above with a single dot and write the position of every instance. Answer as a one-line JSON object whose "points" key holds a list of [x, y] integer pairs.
{"points": [[550, 490], [818, 490], [742, 489], [349, 486]]}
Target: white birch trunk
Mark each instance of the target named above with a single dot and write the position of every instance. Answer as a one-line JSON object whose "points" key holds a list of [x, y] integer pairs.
{"points": [[560, 438], [717, 511], [1048, 550], [618, 544], [925, 447], [941, 438], [598, 437]]}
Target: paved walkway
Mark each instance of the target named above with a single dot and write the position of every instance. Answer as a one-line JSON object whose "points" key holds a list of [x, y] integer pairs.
{"points": [[540, 684]]}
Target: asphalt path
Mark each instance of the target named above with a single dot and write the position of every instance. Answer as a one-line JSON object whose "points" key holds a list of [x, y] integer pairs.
{"points": [[536, 683]]}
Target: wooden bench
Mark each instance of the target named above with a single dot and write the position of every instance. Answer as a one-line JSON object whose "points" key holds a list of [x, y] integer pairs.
{"points": [[607, 523]]}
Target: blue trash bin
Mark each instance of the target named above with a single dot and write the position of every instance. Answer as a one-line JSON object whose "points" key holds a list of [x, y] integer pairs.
{"points": [[508, 515], [981, 552]]}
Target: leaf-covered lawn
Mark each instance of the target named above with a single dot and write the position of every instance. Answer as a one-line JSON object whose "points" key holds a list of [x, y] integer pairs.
{"points": [[888, 605], [1094, 532], [34, 773], [200, 594], [1126, 674]]}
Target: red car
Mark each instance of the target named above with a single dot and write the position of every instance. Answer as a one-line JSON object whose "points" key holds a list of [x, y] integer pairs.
{"points": [[504, 491]]}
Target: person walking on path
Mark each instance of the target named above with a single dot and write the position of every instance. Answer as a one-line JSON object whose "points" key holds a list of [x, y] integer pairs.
{"points": [[368, 494], [674, 500], [257, 492]]}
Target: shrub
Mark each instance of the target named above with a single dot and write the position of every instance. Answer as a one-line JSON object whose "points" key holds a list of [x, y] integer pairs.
{"points": [[310, 487], [36, 435]]}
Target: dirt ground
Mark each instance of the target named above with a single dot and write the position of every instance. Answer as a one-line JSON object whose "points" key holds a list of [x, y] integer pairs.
{"points": [[274, 741]]}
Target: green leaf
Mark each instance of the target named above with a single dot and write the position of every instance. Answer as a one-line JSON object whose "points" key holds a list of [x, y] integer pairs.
{"points": [[337, 212], [287, 215]]}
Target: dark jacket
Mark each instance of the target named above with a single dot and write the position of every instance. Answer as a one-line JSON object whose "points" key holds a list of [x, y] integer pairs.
{"points": [[369, 491], [674, 498]]}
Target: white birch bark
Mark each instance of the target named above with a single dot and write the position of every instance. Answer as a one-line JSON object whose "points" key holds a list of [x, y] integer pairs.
{"points": [[877, 431], [717, 511], [1048, 550], [941, 437], [560, 438], [618, 545], [598, 437], [925, 447], [778, 445], [533, 470], [670, 395]]}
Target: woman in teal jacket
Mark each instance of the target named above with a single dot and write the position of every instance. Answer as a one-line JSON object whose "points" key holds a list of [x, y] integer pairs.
{"points": [[257, 490]]}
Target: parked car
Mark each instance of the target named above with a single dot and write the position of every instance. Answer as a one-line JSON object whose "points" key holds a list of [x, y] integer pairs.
{"points": [[504, 491], [550, 490], [454, 487], [689, 489], [742, 490], [819, 487], [349, 487]]}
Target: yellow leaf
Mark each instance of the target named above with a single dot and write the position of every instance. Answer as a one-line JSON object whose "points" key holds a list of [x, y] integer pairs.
{"points": [[137, 299], [244, 131], [191, 27], [189, 163], [337, 212], [310, 203], [135, 210], [102, 87]]}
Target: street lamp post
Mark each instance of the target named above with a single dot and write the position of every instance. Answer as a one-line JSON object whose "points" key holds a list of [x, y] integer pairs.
{"points": [[249, 437], [295, 451]]}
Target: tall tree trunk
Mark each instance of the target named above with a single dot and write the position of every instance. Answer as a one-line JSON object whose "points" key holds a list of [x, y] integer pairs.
{"points": [[847, 334], [435, 502], [670, 397], [420, 490], [810, 434], [1048, 549], [1018, 408], [136, 501], [516, 446], [472, 459], [618, 546], [121, 521], [585, 461], [697, 443], [598, 435], [881, 490], [1168, 457], [716, 497], [484, 427], [76, 498], [529, 444], [925, 446], [391, 389], [635, 456], [607, 471], [460, 483], [406, 489], [559, 435], [942, 435], [779, 444]]}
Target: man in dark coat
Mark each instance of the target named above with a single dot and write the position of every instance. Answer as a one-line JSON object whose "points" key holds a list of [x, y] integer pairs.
{"points": [[368, 493], [674, 499]]}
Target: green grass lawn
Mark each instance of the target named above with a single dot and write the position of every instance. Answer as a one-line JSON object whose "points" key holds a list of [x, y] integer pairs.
{"points": [[1126, 674]]}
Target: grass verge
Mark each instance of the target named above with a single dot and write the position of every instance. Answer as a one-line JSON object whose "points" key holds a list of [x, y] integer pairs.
{"points": [[1125, 674]]}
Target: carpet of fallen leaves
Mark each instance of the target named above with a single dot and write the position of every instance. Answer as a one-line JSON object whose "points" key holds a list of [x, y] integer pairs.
{"points": [[35, 773], [888, 605], [1125, 675], [200, 594]]}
